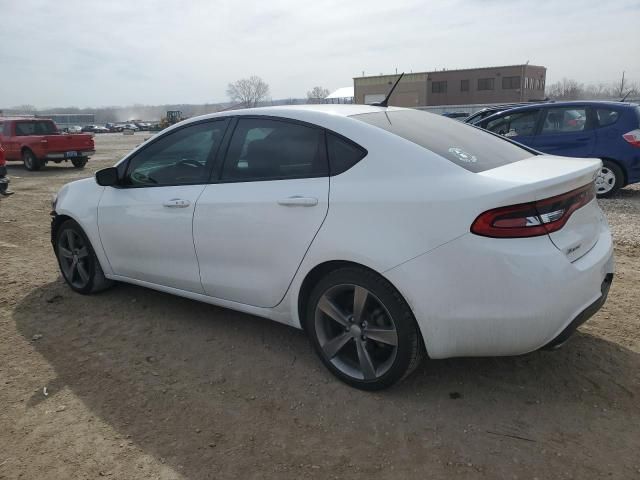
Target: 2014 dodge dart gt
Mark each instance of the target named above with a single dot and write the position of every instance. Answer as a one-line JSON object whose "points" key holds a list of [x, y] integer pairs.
{"points": [[387, 234]]}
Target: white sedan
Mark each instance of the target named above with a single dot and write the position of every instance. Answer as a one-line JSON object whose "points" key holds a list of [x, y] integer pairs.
{"points": [[387, 234]]}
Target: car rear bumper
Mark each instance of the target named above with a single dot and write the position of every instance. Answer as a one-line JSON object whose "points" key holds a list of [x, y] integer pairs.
{"points": [[585, 315], [477, 296], [65, 156]]}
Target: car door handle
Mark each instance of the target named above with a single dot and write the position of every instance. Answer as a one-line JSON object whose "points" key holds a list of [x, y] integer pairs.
{"points": [[176, 203], [298, 201]]}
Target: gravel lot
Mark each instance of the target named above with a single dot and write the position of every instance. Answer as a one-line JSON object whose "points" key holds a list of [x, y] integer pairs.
{"points": [[141, 384]]}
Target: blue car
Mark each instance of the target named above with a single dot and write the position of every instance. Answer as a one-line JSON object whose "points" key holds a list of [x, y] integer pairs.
{"points": [[606, 130]]}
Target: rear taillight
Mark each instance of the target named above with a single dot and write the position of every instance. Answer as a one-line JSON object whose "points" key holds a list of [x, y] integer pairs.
{"points": [[633, 137], [534, 218]]}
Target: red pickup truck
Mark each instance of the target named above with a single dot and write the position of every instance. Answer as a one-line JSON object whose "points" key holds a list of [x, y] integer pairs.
{"points": [[4, 181], [36, 141]]}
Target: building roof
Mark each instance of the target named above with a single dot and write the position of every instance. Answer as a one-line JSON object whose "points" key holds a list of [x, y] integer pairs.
{"points": [[343, 92], [454, 70]]}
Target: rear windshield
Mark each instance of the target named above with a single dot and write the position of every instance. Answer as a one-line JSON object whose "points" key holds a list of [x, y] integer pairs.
{"points": [[35, 127], [464, 145]]}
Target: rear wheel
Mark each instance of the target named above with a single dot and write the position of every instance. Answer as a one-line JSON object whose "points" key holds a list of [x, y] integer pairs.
{"points": [[78, 262], [362, 329], [609, 180], [79, 162], [30, 161]]}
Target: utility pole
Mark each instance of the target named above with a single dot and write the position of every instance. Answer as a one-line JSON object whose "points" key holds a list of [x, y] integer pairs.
{"points": [[622, 84]]}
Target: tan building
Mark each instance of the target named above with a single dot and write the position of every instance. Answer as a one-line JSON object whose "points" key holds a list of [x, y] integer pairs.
{"points": [[514, 83]]}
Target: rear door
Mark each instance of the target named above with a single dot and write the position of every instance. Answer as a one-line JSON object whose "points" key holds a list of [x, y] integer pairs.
{"points": [[566, 131], [253, 227]]}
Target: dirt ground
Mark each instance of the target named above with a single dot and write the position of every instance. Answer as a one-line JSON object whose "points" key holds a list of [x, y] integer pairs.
{"points": [[142, 384]]}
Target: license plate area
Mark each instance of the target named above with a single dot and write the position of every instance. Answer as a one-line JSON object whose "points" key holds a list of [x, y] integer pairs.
{"points": [[71, 154]]}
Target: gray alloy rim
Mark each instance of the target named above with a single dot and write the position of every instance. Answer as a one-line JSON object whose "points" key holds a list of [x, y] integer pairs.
{"points": [[355, 331], [74, 258], [28, 160], [605, 181]]}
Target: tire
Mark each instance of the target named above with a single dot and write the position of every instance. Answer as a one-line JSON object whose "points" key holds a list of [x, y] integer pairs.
{"points": [[77, 260], [30, 161], [610, 179], [79, 162], [370, 350]]}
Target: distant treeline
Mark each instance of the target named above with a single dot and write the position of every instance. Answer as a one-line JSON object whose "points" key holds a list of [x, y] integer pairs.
{"points": [[138, 112]]}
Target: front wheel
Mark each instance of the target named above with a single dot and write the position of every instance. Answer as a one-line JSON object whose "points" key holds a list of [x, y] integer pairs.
{"points": [[609, 180], [79, 162], [362, 329], [78, 262], [30, 161]]}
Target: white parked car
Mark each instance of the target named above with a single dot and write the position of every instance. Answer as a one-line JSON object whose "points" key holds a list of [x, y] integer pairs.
{"points": [[385, 233]]}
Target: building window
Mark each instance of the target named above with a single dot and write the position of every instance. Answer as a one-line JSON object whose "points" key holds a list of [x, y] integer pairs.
{"points": [[485, 83], [510, 83], [464, 85], [439, 87]]}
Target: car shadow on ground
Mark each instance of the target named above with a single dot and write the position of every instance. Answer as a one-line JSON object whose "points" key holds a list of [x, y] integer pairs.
{"points": [[50, 170], [218, 394]]}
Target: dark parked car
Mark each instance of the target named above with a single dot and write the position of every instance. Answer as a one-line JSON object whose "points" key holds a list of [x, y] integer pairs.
{"points": [[94, 129], [606, 130], [456, 115], [474, 118]]}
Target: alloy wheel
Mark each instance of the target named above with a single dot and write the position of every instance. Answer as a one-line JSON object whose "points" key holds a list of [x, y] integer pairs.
{"points": [[355, 331], [605, 181], [74, 258]]}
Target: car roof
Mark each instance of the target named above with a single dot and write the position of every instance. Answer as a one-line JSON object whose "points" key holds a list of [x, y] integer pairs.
{"points": [[301, 111], [574, 103]]}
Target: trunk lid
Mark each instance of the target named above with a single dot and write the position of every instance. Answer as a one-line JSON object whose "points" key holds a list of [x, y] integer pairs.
{"points": [[547, 176], [66, 143]]}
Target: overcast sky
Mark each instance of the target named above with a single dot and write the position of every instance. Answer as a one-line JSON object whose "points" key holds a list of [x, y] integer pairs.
{"points": [[121, 52]]}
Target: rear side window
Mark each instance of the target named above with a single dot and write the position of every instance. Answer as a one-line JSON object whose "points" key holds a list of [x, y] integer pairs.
{"points": [[462, 144], [35, 128], [342, 154], [606, 116], [266, 149]]}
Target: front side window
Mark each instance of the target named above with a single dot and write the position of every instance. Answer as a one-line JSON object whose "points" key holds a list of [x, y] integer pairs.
{"points": [[485, 83], [180, 158], [565, 120], [514, 124], [35, 127], [466, 146], [266, 149], [606, 116]]}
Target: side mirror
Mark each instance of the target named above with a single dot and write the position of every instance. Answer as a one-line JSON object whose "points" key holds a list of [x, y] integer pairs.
{"points": [[107, 177]]}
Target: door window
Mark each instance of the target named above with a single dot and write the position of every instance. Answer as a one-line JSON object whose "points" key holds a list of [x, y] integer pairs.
{"points": [[343, 154], [515, 124], [179, 158], [266, 149], [565, 120]]}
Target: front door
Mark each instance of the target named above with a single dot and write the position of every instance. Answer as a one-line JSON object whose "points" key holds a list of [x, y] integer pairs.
{"points": [[519, 126], [146, 224], [253, 228]]}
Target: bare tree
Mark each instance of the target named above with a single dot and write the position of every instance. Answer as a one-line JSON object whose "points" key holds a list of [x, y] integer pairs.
{"points": [[317, 94], [248, 91], [566, 89]]}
